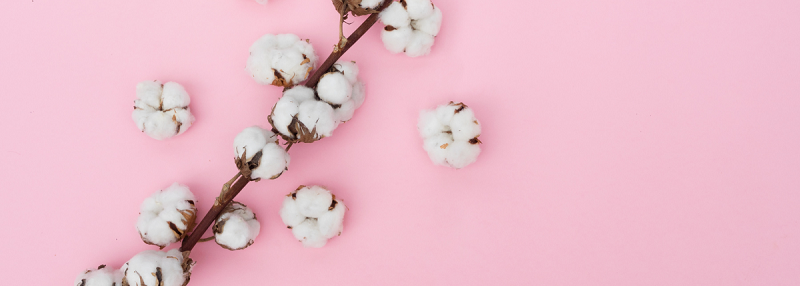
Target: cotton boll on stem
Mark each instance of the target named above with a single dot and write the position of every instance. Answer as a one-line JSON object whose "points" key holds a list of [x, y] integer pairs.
{"points": [[334, 88], [167, 216], [395, 15], [237, 227], [431, 24], [418, 9], [419, 45]]}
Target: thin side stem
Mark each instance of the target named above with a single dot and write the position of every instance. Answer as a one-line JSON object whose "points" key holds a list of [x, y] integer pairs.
{"points": [[190, 241], [336, 54]]}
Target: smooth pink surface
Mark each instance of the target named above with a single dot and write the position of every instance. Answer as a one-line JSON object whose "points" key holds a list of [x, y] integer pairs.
{"points": [[625, 142]]}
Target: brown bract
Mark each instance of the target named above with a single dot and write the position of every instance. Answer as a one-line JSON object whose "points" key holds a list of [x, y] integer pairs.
{"points": [[352, 6]]}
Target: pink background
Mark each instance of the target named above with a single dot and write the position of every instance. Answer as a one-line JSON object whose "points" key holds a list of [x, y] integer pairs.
{"points": [[626, 142]]}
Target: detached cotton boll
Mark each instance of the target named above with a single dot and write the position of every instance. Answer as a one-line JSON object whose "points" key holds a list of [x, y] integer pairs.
{"points": [[103, 276], [158, 268], [334, 88], [162, 110], [313, 214], [237, 227], [264, 158], [281, 60], [450, 135], [167, 216], [395, 15], [431, 24]]}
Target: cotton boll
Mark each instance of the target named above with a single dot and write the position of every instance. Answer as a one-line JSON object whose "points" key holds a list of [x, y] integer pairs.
{"points": [[450, 135], [431, 24], [419, 45], [317, 115], [313, 201], [252, 140], [464, 125], [308, 233], [396, 39], [349, 69], [334, 88], [345, 112], [274, 161], [161, 111], [359, 94], [157, 268], [102, 276], [282, 60], [237, 227], [460, 154], [330, 223], [167, 216], [289, 212], [370, 4], [283, 113], [395, 15], [174, 96]]}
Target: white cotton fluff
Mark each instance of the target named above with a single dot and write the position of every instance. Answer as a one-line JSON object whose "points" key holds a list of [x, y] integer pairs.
{"points": [[418, 9], [157, 268], [334, 88], [167, 216], [162, 110], [282, 60], [396, 40], [395, 15], [274, 160], [102, 276], [450, 135], [318, 113], [237, 227], [410, 28], [313, 214], [370, 4]]}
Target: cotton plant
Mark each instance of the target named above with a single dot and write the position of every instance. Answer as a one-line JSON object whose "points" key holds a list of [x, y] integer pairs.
{"points": [[317, 97], [450, 135]]}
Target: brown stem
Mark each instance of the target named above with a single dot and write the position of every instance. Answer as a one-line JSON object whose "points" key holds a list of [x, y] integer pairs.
{"points": [[336, 54], [190, 241]]}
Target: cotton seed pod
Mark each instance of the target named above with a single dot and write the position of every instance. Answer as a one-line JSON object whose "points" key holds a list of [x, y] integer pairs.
{"points": [[357, 7], [167, 216], [162, 110], [313, 214], [281, 60], [236, 227], [158, 268], [411, 26], [258, 155], [306, 115], [102, 276], [450, 135]]}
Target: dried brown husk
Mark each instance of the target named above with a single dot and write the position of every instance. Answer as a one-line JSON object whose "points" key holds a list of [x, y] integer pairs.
{"points": [[354, 7]]}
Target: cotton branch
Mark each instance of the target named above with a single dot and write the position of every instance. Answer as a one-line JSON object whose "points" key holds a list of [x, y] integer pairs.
{"points": [[226, 196]]}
